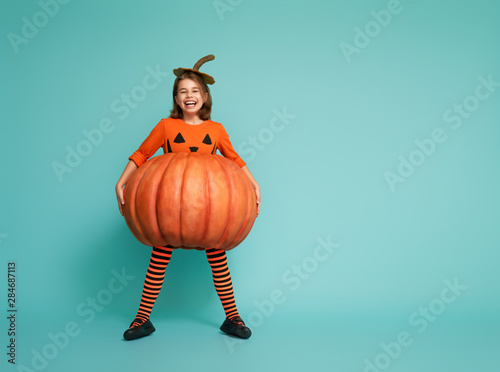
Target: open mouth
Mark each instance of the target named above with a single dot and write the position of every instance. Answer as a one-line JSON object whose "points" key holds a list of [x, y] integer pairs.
{"points": [[190, 103]]}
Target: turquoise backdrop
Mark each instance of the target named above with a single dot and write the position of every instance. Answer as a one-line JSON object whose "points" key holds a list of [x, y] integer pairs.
{"points": [[371, 127]]}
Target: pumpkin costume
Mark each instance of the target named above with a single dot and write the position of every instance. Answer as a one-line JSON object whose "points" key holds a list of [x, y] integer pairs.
{"points": [[175, 135], [190, 201]]}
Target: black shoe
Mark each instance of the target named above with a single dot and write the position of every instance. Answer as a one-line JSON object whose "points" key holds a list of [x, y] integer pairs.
{"points": [[139, 331], [236, 327]]}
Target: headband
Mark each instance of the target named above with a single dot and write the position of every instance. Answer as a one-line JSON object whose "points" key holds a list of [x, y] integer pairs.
{"points": [[208, 79]]}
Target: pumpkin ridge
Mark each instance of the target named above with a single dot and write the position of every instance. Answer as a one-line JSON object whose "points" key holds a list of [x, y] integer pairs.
{"points": [[242, 224], [229, 205], [181, 200], [155, 196], [144, 176], [207, 196], [129, 211], [141, 173], [219, 162], [164, 172], [249, 211]]}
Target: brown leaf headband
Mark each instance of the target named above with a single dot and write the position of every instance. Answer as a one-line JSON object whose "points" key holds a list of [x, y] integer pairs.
{"points": [[208, 79]]}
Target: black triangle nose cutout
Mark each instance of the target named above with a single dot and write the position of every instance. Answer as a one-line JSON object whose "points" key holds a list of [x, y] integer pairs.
{"points": [[179, 138], [193, 149]]}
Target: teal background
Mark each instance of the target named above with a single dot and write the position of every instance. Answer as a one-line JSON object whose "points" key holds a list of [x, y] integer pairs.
{"points": [[322, 176]]}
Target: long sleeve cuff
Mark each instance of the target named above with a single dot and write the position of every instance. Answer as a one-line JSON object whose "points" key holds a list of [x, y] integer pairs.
{"points": [[138, 158], [240, 162]]}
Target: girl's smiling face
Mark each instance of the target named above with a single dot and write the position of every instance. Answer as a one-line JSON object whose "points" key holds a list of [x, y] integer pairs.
{"points": [[190, 97]]}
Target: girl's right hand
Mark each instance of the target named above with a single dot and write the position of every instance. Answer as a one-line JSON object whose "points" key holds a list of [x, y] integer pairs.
{"points": [[120, 198], [120, 185]]}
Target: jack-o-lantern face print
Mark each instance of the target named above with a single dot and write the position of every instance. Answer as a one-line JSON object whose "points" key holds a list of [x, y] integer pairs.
{"points": [[202, 144]]}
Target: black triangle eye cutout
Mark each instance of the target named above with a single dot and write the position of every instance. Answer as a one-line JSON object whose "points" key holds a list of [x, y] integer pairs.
{"points": [[207, 140], [179, 138]]}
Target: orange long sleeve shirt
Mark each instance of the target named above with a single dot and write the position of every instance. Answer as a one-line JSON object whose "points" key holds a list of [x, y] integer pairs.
{"points": [[175, 135]]}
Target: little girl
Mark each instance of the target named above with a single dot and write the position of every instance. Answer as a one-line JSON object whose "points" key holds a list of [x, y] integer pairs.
{"points": [[188, 129]]}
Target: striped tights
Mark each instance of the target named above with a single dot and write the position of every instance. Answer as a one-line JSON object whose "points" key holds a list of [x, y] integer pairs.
{"points": [[156, 274]]}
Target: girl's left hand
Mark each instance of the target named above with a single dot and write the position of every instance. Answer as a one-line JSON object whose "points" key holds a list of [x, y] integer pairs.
{"points": [[255, 187], [257, 197]]}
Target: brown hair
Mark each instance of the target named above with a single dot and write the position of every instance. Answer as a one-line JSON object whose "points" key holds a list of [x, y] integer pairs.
{"points": [[206, 109]]}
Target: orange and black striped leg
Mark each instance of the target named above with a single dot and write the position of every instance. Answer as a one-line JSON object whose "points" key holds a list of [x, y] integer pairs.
{"points": [[222, 281], [152, 285], [233, 324]]}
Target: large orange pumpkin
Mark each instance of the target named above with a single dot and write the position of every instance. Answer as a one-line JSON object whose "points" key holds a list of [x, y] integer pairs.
{"points": [[191, 201]]}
